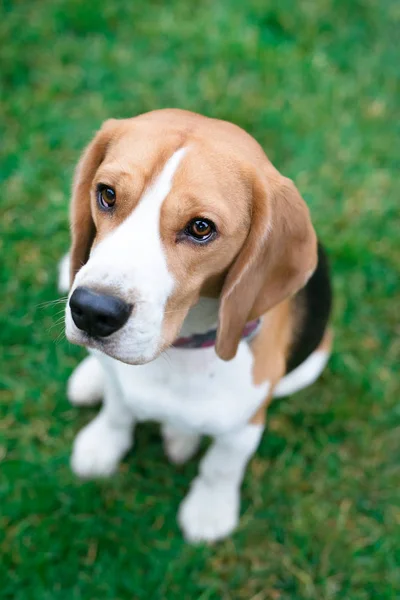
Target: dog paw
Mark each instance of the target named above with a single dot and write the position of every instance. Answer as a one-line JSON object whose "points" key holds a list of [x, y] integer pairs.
{"points": [[85, 386], [210, 512], [178, 446], [98, 448]]}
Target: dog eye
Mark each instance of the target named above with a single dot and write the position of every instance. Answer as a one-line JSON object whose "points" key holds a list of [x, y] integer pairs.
{"points": [[200, 229], [106, 196]]}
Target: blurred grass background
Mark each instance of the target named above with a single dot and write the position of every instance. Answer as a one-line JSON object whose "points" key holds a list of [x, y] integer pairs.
{"points": [[317, 84]]}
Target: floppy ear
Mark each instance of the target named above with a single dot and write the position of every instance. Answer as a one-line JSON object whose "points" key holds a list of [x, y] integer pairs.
{"points": [[83, 229], [276, 260]]}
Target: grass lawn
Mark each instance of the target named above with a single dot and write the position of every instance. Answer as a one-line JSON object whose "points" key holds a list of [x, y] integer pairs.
{"points": [[317, 84]]}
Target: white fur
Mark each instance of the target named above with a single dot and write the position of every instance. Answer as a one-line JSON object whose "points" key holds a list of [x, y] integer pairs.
{"points": [[191, 390], [210, 511], [304, 375], [86, 384], [130, 262], [99, 446]]}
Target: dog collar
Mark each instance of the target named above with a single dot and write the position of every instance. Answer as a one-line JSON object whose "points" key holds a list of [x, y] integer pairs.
{"points": [[206, 340]]}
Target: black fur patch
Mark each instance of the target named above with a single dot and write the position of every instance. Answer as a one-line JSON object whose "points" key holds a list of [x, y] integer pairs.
{"points": [[314, 303]]}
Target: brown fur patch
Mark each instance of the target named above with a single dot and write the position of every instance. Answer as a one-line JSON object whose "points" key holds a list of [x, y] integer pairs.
{"points": [[270, 349], [271, 346]]}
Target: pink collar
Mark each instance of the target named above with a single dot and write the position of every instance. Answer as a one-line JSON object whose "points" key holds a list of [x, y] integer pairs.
{"points": [[206, 340]]}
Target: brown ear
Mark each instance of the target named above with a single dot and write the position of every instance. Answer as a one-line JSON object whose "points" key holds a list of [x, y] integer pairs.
{"points": [[83, 229], [277, 258]]}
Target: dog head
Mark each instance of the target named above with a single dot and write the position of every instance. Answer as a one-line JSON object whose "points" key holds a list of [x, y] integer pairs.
{"points": [[171, 206]]}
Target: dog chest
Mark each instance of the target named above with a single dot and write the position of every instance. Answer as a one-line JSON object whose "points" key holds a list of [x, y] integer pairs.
{"points": [[191, 389]]}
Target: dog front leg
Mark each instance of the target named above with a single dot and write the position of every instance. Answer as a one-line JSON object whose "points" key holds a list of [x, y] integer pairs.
{"points": [[86, 384], [99, 447], [210, 510]]}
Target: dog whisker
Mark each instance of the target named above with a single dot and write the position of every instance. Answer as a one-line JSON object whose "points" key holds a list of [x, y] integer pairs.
{"points": [[51, 302]]}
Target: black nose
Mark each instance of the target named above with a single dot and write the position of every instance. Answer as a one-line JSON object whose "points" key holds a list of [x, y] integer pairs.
{"points": [[98, 314]]}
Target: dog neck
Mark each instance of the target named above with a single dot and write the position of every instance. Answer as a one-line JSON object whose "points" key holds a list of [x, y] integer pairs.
{"points": [[202, 317], [199, 329]]}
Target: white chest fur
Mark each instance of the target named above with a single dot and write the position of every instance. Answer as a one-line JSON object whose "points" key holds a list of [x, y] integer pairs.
{"points": [[193, 390]]}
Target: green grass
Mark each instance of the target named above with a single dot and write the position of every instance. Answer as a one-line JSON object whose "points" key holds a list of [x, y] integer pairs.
{"points": [[317, 84]]}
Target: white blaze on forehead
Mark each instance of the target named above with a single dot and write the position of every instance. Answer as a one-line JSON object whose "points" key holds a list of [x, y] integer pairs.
{"points": [[134, 249], [148, 210], [130, 263]]}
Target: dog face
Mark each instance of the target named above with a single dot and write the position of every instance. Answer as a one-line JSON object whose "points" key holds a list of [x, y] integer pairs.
{"points": [[170, 206]]}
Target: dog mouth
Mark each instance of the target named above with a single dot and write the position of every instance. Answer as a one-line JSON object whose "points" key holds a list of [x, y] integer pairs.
{"points": [[80, 338], [134, 354]]}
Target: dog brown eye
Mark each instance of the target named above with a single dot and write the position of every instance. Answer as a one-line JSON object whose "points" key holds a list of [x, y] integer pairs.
{"points": [[200, 229], [106, 197]]}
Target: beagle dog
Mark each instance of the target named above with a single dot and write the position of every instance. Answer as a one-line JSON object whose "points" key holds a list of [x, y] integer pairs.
{"points": [[201, 291]]}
